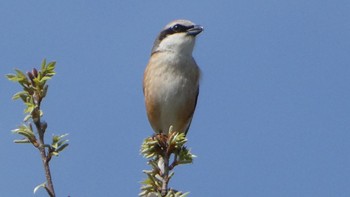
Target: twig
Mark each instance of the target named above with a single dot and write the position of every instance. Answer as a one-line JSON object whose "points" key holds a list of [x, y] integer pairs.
{"points": [[44, 157], [165, 174], [34, 90]]}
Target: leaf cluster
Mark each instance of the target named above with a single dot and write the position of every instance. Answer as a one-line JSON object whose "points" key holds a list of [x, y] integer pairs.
{"points": [[156, 148], [58, 144], [35, 88]]}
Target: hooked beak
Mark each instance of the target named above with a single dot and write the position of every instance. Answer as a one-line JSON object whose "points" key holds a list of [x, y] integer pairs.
{"points": [[195, 30]]}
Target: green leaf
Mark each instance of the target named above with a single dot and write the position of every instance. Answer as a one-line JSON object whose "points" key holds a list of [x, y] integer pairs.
{"points": [[58, 144], [43, 64], [171, 175], [43, 185], [12, 77], [55, 139], [185, 194], [61, 142], [22, 141], [185, 156], [36, 81], [44, 79], [27, 117], [39, 76], [20, 95], [61, 148], [26, 134], [30, 108], [20, 74], [51, 66], [143, 193]]}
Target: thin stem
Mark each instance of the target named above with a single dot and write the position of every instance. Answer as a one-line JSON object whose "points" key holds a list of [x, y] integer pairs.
{"points": [[172, 166], [44, 157], [49, 187], [165, 175]]}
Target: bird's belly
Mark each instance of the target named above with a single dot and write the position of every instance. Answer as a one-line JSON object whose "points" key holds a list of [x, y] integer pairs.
{"points": [[174, 98]]}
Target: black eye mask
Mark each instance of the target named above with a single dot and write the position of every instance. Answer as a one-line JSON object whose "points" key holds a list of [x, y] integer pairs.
{"points": [[174, 29]]}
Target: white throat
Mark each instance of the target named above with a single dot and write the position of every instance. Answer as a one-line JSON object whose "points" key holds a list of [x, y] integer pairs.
{"points": [[179, 43]]}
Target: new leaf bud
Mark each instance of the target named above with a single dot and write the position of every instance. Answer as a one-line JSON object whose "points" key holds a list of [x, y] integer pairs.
{"points": [[31, 77], [35, 72], [43, 126]]}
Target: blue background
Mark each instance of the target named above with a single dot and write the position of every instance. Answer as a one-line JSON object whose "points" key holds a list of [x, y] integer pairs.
{"points": [[273, 112]]}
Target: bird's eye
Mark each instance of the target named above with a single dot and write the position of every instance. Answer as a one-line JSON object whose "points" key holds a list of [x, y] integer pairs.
{"points": [[178, 28]]}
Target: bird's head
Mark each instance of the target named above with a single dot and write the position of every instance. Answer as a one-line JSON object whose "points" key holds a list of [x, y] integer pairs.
{"points": [[177, 37]]}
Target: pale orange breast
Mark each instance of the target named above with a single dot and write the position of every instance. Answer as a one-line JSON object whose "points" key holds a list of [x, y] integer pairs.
{"points": [[170, 94]]}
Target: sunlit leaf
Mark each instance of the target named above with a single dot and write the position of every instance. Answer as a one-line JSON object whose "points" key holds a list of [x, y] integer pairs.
{"points": [[185, 194], [43, 64], [61, 148], [12, 77], [44, 79], [22, 141], [51, 66], [43, 185], [27, 117], [20, 74], [19, 95]]}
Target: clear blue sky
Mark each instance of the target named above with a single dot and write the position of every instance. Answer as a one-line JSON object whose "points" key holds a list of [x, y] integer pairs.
{"points": [[273, 116]]}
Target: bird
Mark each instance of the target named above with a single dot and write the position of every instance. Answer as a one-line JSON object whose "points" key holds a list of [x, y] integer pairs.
{"points": [[171, 78]]}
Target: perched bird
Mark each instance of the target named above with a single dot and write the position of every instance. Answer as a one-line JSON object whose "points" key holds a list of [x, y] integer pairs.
{"points": [[171, 78]]}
